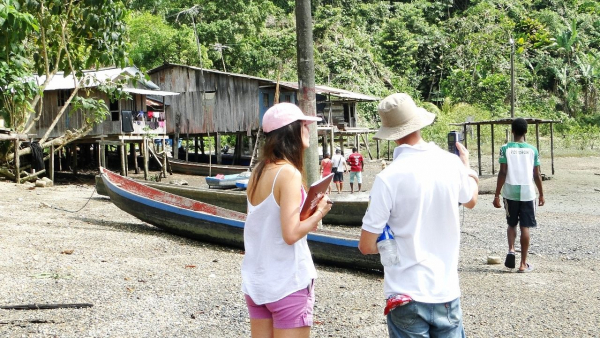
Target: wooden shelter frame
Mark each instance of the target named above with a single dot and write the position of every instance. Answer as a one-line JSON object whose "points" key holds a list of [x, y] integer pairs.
{"points": [[508, 121]]}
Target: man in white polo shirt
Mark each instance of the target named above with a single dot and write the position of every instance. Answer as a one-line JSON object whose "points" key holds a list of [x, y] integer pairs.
{"points": [[519, 170], [418, 196]]}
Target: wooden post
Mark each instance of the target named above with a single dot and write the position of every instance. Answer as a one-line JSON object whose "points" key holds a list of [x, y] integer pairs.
{"points": [[366, 140], [74, 158], [17, 161], [133, 155], [332, 143], [324, 144], [465, 135], [102, 159], [122, 156], [479, 147], [51, 163], [202, 145], [125, 158], [218, 148], [378, 150], [237, 152], [493, 162], [164, 167], [552, 146], [60, 153], [145, 143], [537, 136], [251, 145], [388, 150], [196, 147], [96, 153]]}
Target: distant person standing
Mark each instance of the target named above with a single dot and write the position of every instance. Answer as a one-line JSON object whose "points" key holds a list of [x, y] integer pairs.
{"points": [[326, 168], [519, 170], [357, 165], [339, 166]]}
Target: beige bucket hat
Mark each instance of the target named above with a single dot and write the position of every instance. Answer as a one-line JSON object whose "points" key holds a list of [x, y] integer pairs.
{"points": [[400, 116]]}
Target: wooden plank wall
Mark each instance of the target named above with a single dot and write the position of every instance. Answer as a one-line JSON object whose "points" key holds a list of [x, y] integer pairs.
{"points": [[75, 120], [232, 103]]}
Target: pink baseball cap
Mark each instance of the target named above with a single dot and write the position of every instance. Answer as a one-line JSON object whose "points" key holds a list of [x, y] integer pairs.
{"points": [[282, 114]]}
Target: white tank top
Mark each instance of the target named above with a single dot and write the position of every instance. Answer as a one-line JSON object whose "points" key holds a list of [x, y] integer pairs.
{"points": [[272, 269]]}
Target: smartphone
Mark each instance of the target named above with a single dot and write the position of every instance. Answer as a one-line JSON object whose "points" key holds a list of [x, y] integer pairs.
{"points": [[453, 137]]}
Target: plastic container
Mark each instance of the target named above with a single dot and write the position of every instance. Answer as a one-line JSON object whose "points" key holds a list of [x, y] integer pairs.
{"points": [[388, 251]]}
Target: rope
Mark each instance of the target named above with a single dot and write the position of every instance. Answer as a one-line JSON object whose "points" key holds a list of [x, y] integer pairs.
{"points": [[86, 203]]}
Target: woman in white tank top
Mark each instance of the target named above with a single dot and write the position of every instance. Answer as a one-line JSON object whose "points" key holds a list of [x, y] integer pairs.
{"points": [[277, 270]]}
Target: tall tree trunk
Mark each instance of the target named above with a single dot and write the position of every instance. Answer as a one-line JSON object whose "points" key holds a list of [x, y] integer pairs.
{"points": [[306, 83]]}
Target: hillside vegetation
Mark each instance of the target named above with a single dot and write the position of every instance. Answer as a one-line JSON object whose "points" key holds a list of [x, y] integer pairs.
{"points": [[452, 54]]}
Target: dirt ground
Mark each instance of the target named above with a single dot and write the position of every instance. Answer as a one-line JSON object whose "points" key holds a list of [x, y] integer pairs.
{"points": [[142, 283]]}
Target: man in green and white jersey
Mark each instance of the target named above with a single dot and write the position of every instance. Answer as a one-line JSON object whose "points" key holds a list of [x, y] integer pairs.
{"points": [[519, 170]]}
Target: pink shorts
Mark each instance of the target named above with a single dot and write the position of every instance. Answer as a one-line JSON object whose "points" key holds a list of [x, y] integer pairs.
{"points": [[293, 311]]}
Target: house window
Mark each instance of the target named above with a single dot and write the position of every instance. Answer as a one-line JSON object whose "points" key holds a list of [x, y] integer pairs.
{"points": [[265, 100], [114, 110], [288, 98], [63, 96]]}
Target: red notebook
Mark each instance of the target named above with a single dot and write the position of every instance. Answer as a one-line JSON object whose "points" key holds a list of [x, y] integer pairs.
{"points": [[319, 187]]}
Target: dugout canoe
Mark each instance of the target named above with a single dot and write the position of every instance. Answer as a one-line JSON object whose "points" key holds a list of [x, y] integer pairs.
{"points": [[347, 209], [204, 169], [226, 181], [202, 221]]}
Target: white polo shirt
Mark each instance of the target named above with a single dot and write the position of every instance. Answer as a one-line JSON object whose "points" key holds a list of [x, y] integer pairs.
{"points": [[418, 195]]}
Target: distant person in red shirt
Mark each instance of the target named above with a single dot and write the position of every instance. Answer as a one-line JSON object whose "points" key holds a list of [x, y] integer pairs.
{"points": [[356, 167], [326, 168]]}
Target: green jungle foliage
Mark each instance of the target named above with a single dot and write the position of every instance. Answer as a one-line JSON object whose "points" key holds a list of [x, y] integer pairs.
{"points": [[452, 56]]}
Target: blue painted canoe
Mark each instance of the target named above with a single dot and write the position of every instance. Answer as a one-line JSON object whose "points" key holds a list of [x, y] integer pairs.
{"points": [[242, 184], [206, 222], [225, 181]]}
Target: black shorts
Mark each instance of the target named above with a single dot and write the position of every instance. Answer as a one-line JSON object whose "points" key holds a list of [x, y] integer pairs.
{"points": [[520, 212], [338, 177]]}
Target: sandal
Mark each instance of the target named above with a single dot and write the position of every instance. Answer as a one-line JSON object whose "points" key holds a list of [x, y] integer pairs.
{"points": [[529, 268], [509, 262]]}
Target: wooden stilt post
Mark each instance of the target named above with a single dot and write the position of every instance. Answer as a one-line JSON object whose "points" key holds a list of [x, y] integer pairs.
{"points": [[17, 162], [366, 141], [145, 143], [218, 149], [465, 135], [102, 159], [552, 146], [51, 163], [74, 158], [332, 143], [537, 136], [479, 148], [493, 162], [122, 156], [60, 156], [388, 150]]}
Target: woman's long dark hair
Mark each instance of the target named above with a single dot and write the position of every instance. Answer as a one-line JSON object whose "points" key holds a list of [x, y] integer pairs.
{"points": [[280, 144]]}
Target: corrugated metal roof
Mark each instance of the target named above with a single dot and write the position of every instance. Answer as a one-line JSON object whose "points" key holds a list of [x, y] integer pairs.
{"points": [[214, 71], [92, 78], [149, 92], [326, 90], [341, 93]]}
